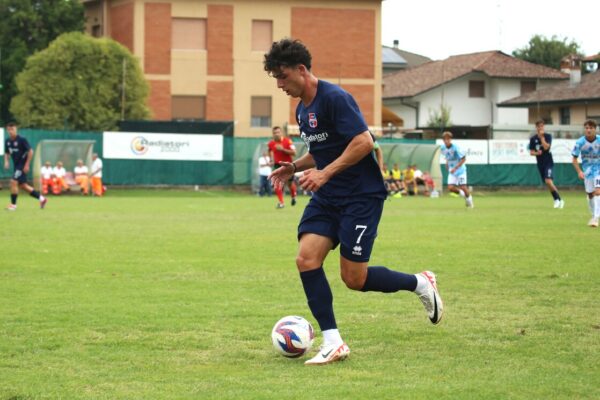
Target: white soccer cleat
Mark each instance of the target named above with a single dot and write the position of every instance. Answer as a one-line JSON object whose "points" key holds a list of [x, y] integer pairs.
{"points": [[593, 223], [431, 298], [329, 354], [11, 207], [559, 203], [469, 203], [43, 201]]}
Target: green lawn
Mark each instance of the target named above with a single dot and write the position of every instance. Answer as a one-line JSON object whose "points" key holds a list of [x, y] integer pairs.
{"points": [[172, 295]]}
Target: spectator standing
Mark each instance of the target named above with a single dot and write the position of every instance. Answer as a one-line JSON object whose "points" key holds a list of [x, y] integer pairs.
{"points": [[264, 170], [96, 176]]}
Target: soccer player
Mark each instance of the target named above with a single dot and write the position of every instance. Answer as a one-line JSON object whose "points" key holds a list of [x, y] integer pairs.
{"points": [[588, 147], [348, 196], [96, 176], [18, 148], [281, 149], [539, 146], [457, 170]]}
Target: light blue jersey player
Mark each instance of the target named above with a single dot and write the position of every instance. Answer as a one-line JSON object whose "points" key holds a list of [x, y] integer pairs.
{"points": [[588, 148], [457, 170]]}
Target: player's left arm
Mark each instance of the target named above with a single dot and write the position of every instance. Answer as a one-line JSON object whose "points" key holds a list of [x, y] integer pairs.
{"points": [[358, 148], [28, 161], [460, 164]]}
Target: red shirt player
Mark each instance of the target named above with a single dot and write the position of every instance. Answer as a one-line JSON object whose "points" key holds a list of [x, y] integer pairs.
{"points": [[281, 149]]}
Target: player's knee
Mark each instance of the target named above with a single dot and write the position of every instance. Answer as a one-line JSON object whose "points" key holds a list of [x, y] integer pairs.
{"points": [[352, 281], [305, 263]]}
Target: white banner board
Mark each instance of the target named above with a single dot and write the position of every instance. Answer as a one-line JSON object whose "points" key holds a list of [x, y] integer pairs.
{"points": [[162, 146], [510, 152], [3, 139], [476, 151], [561, 150]]}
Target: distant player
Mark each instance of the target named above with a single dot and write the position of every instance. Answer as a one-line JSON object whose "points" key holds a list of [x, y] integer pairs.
{"points": [[588, 148], [282, 149], [18, 148], [539, 146], [96, 176], [457, 170], [348, 196]]}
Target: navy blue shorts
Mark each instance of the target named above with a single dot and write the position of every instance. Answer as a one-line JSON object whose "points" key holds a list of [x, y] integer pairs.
{"points": [[351, 223], [546, 171], [19, 176]]}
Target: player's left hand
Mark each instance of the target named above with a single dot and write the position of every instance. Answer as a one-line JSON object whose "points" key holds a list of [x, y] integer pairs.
{"points": [[581, 175], [313, 179], [26, 169], [279, 147], [281, 175]]}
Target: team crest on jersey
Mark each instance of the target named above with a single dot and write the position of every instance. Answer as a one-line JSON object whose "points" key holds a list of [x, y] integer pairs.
{"points": [[312, 120]]}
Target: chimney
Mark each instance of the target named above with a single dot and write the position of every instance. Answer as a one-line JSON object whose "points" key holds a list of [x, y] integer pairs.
{"points": [[396, 43], [571, 65]]}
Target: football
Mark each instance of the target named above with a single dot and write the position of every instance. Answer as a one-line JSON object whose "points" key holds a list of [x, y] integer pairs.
{"points": [[292, 336]]}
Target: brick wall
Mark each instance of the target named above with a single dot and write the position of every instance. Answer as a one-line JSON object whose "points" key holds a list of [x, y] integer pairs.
{"points": [[219, 40], [159, 100], [342, 42], [219, 101], [121, 24], [157, 31]]}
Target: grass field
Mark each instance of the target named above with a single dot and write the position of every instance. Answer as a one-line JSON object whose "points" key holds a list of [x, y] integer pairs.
{"points": [[172, 295]]}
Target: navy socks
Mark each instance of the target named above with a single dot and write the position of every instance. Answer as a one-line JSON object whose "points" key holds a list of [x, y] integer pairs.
{"points": [[319, 296], [35, 193], [13, 199], [381, 279], [555, 195]]}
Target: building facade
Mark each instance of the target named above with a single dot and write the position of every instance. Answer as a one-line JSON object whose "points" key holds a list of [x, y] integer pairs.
{"points": [[203, 59]]}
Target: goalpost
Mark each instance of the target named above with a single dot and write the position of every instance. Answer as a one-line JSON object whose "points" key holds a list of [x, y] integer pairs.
{"points": [[67, 151], [425, 156]]}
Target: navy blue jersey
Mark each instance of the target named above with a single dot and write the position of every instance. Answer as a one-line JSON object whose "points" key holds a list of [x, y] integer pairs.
{"points": [[18, 149], [535, 144], [327, 126]]}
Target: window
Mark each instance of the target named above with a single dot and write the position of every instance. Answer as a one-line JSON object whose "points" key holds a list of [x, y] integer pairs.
{"points": [[261, 112], [188, 107], [528, 86], [476, 89], [565, 115], [188, 34], [262, 35], [96, 31]]}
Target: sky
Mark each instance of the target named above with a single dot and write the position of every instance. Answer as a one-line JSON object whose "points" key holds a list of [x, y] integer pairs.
{"points": [[441, 28]]}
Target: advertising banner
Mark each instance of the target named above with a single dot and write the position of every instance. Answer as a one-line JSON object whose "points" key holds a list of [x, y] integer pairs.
{"points": [[510, 152], [3, 139], [162, 146]]}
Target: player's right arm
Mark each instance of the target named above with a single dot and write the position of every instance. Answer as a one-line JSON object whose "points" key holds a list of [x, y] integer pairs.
{"points": [[580, 173], [283, 174]]}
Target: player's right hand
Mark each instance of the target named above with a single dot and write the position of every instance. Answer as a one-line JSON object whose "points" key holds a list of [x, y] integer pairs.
{"points": [[581, 175], [6, 165], [281, 175]]}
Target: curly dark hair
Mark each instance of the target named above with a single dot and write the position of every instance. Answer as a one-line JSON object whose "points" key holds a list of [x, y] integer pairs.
{"points": [[287, 53]]}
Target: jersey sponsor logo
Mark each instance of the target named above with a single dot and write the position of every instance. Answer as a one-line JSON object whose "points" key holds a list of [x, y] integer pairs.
{"points": [[312, 120], [308, 139]]}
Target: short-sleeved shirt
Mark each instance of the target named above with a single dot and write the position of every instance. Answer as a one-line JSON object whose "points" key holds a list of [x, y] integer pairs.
{"points": [[81, 170], [60, 172], [18, 150], [46, 172], [97, 165], [327, 125], [278, 155], [454, 155], [535, 144], [396, 174], [590, 156]]}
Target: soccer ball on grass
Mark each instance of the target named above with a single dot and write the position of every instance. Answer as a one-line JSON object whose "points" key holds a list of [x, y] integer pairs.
{"points": [[292, 336]]}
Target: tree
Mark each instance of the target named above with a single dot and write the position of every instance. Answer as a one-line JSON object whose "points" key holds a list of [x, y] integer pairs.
{"points": [[440, 118], [76, 84], [29, 26], [548, 52]]}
